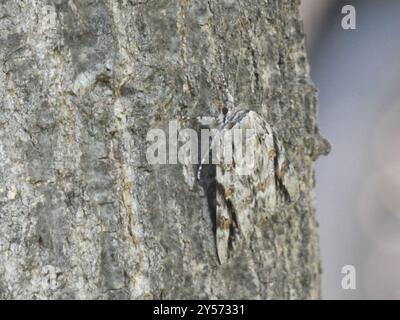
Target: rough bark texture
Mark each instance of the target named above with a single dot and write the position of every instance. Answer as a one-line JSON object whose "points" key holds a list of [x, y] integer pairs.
{"points": [[81, 213]]}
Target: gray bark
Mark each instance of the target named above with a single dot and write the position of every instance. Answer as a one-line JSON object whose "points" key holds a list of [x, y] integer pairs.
{"points": [[82, 215]]}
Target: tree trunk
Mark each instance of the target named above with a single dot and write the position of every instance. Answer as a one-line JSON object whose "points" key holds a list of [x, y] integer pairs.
{"points": [[82, 215]]}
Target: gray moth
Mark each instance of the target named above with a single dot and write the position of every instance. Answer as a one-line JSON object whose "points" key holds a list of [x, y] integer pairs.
{"points": [[252, 185]]}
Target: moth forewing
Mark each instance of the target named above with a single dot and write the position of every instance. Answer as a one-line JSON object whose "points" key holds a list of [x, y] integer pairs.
{"points": [[253, 176], [223, 218]]}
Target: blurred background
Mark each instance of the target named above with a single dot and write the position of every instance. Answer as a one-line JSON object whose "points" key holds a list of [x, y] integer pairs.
{"points": [[357, 73]]}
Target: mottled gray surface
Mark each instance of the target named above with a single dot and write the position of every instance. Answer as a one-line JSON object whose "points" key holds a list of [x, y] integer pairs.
{"points": [[81, 213]]}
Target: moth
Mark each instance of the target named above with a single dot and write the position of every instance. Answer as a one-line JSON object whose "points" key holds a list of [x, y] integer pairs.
{"points": [[252, 185]]}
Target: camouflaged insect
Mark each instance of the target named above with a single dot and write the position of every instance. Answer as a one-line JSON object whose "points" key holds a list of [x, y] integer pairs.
{"points": [[252, 185]]}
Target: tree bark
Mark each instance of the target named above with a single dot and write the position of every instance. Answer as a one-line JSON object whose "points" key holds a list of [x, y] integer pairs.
{"points": [[82, 215]]}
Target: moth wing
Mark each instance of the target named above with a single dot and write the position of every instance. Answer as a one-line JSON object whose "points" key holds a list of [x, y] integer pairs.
{"points": [[250, 182], [223, 221]]}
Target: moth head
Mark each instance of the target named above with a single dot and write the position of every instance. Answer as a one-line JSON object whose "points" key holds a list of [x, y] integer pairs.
{"points": [[226, 110]]}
